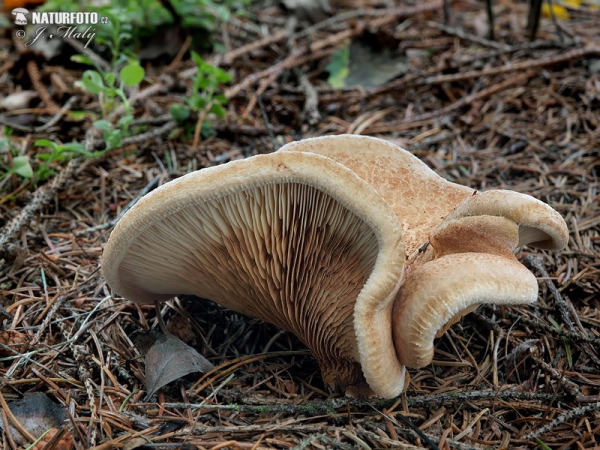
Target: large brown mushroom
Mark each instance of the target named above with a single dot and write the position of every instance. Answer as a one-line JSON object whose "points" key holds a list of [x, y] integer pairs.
{"points": [[460, 243], [294, 239], [311, 239]]}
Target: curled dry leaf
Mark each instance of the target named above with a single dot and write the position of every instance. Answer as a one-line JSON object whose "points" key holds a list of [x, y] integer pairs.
{"points": [[170, 359]]}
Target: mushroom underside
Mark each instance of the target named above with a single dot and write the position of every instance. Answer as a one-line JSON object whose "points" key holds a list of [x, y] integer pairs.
{"points": [[275, 259]]}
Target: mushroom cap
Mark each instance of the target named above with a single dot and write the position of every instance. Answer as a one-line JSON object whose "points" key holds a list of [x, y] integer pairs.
{"points": [[539, 224], [471, 261], [294, 239], [441, 290], [419, 196]]}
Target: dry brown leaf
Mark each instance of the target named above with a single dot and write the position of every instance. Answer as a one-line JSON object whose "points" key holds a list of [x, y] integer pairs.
{"points": [[170, 359]]}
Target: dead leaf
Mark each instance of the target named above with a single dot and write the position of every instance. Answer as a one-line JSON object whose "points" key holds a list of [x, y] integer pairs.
{"points": [[37, 413], [170, 359], [18, 100]]}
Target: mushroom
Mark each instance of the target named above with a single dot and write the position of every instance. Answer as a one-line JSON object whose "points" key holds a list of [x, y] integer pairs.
{"points": [[294, 239], [460, 243], [349, 242], [20, 14]]}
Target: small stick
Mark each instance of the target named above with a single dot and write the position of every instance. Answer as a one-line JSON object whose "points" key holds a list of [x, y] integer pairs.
{"points": [[41, 197], [563, 418], [263, 112], [458, 32], [490, 14], [577, 53], [561, 303]]}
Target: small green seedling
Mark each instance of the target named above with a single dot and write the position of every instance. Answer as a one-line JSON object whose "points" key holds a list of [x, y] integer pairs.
{"points": [[204, 94], [110, 90]]}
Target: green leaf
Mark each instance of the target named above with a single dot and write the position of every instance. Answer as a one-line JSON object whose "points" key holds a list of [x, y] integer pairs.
{"points": [[124, 121], [110, 79], [132, 74], [45, 143], [196, 103], [542, 445], [222, 76], [180, 112], [82, 60], [113, 138], [77, 148], [218, 110], [197, 59], [92, 82], [77, 116], [22, 167], [103, 125], [338, 67]]}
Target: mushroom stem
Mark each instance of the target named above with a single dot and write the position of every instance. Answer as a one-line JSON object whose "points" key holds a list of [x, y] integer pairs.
{"points": [[440, 290]]}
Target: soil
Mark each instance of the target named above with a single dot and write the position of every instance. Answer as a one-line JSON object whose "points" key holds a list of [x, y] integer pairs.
{"points": [[502, 113]]}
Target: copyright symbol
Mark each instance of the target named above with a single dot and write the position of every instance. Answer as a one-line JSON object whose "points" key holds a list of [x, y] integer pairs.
{"points": [[20, 34]]}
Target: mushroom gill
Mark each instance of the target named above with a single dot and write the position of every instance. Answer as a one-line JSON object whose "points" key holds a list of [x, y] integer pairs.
{"points": [[294, 239]]}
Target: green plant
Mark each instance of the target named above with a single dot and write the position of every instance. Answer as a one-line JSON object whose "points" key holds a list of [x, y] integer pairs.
{"points": [[20, 164], [204, 98], [208, 14], [111, 92], [58, 153]]}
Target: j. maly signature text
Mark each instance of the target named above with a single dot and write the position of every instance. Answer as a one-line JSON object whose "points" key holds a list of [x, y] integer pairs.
{"points": [[64, 33]]}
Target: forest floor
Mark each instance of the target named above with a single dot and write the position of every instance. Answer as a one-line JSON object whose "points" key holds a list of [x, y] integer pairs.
{"points": [[504, 113]]}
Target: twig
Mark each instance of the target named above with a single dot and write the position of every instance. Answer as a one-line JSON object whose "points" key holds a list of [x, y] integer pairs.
{"points": [[263, 112], [489, 7], [96, 59], [464, 101], [559, 301], [34, 75], [138, 139], [389, 13], [324, 47], [307, 442], [40, 198], [330, 406], [571, 335], [51, 314], [53, 120], [231, 56], [459, 32], [311, 102], [563, 418], [578, 53]]}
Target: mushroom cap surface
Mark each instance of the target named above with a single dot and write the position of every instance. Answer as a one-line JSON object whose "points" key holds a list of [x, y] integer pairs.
{"points": [[294, 239], [419, 196]]}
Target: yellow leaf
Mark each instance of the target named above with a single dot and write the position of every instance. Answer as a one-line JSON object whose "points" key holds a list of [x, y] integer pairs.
{"points": [[560, 12]]}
